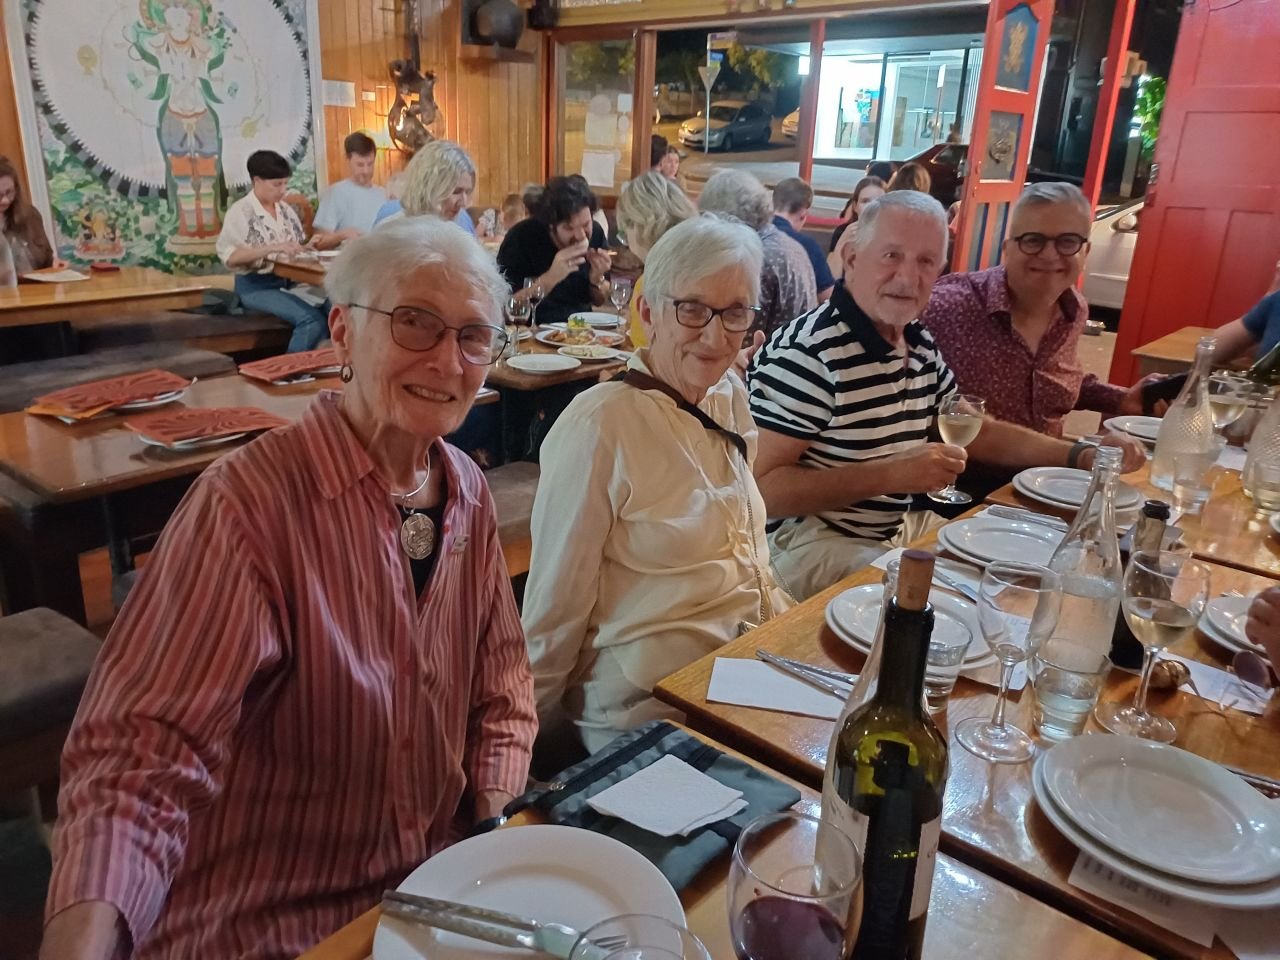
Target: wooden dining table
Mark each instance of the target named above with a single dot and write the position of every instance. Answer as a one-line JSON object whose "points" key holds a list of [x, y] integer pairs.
{"points": [[971, 914], [990, 819], [308, 269], [1228, 530], [1175, 352], [104, 296]]}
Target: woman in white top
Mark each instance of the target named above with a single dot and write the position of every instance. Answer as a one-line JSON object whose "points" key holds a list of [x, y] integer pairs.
{"points": [[258, 228], [649, 545]]}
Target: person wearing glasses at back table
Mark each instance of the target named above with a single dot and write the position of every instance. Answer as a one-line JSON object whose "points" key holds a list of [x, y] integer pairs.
{"points": [[1010, 334]]}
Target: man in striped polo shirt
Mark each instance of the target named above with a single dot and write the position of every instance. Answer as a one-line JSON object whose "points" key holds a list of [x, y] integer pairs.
{"points": [[844, 397]]}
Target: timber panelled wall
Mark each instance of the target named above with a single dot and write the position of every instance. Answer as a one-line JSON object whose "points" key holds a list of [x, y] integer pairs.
{"points": [[726, 13], [493, 109]]}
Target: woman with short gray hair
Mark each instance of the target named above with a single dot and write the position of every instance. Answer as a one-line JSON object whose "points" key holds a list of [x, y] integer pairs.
{"points": [[788, 288], [655, 471], [328, 606], [648, 207]]}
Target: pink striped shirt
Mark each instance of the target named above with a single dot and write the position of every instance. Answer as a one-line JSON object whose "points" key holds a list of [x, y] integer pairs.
{"points": [[277, 728]]}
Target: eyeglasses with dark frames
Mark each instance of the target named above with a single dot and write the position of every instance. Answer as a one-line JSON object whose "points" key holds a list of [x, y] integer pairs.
{"points": [[419, 330], [1067, 244], [696, 315]]}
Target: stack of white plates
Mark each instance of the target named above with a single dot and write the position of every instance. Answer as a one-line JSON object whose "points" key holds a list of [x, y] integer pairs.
{"points": [[1145, 429], [1223, 623], [1164, 817], [854, 614], [1065, 488], [986, 538]]}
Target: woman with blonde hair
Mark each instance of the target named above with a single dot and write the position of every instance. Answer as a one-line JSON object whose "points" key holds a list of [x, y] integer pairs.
{"points": [[648, 207], [438, 182]]}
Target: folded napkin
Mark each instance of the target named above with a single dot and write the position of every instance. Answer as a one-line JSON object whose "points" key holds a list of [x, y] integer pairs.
{"points": [[754, 683], [1219, 686], [669, 797], [566, 800], [291, 364], [202, 423], [86, 400]]}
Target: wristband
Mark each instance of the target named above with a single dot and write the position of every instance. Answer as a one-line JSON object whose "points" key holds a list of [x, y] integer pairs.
{"points": [[1078, 448]]}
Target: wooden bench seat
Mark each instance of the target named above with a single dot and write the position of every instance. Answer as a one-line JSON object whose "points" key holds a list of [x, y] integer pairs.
{"points": [[512, 487], [21, 383], [231, 333]]}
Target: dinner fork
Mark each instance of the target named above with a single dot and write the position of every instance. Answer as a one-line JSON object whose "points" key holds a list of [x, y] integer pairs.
{"points": [[493, 926]]}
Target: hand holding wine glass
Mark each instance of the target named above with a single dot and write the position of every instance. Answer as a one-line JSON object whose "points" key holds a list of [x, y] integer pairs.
{"points": [[1018, 605], [959, 420], [1164, 595]]}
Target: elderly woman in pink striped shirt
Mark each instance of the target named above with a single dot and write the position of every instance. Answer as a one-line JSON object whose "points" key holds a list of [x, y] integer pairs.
{"points": [[320, 680]]}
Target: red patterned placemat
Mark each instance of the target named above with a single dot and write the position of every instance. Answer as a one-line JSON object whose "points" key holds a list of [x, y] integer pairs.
{"points": [[290, 364], [202, 423], [85, 400]]}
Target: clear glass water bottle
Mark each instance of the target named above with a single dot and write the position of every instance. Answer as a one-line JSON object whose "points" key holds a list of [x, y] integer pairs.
{"points": [[1187, 426], [1088, 561], [1261, 474]]}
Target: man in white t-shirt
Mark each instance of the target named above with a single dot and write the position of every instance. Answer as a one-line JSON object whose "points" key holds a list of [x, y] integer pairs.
{"points": [[351, 205]]}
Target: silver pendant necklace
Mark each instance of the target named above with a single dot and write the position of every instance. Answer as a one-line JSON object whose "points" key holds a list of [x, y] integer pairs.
{"points": [[417, 530]]}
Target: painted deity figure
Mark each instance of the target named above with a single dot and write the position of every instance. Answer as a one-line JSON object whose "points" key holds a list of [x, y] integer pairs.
{"points": [[182, 42]]}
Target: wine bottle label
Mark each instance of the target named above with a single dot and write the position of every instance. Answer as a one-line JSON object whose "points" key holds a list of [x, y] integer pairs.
{"points": [[930, 833]]}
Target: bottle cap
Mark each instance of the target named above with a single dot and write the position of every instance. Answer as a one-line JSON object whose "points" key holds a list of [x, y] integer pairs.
{"points": [[1156, 510], [915, 577]]}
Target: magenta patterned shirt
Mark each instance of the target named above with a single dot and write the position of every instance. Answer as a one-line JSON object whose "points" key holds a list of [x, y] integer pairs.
{"points": [[968, 315]]}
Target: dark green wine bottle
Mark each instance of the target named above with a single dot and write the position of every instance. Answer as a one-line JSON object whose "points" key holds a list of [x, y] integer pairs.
{"points": [[886, 775]]}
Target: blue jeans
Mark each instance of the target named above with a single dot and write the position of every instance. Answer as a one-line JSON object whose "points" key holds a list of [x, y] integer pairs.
{"points": [[266, 293]]}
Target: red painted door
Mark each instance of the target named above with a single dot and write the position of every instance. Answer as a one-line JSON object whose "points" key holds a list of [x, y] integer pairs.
{"points": [[1210, 230], [1004, 114]]}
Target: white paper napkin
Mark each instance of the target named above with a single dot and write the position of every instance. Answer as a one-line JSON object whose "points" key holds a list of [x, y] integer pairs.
{"points": [[1250, 934], [669, 797], [1232, 458], [1218, 686], [753, 683]]}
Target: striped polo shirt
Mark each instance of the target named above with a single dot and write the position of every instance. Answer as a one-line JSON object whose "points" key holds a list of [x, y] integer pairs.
{"points": [[830, 378]]}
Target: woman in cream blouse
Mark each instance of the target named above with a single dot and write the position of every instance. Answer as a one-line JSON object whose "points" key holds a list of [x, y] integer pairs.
{"points": [[649, 546]]}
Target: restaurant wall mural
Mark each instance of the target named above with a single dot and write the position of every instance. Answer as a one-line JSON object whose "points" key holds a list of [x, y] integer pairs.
{"points": [[148, 109]]}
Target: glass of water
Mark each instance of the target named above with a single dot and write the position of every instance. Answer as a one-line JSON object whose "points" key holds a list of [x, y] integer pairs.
{"points": [[1067, 679], [1266, 487], [1192, 481], [947, 648]]}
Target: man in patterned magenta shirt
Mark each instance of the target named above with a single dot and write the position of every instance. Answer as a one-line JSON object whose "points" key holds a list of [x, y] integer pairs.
{"points": [[1010, 333]]}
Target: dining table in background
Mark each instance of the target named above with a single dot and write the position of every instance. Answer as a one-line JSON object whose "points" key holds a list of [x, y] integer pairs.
{"points": [[990, 819], [301, 269], [1227, 530], [75, 487], [1175, 352], [104, 296], [971, 914]]}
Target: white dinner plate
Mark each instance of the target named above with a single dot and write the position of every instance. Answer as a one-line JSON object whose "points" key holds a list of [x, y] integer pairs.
{"points": [[1066, 487], [1225, 641], [327, 254], [1144, 428], [1257, 896], [185, 445], [547, 873], [159, 400], [596, 318], [986, 539], [590, 353], [1166, 808], [1225, 618], [854, 614], [542, 363], [544, 336]]}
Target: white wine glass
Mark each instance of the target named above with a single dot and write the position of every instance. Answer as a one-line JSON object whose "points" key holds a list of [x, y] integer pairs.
{"points": [[1018, 605], [1229, 395], [959, 420], [1164, 596], [620, 295]]}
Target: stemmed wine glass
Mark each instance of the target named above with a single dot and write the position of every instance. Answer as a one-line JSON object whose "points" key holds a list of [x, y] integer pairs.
{"points": [[795, 889], [959, 420], [1164, 595], [620, 295], [1018, 606], [638, 936], [534, 294], [518, 312], [1229, 395]]}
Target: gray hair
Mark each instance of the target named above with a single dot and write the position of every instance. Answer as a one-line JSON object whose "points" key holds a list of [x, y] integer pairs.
{"points": [[698, 248], [737, 194], [649, 206], [432, 175], [1044, 194], [908, 201], [377, 262]]}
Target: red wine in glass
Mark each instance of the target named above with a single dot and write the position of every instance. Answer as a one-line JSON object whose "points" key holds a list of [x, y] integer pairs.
{"points": [[775, 928], [534, 295]]}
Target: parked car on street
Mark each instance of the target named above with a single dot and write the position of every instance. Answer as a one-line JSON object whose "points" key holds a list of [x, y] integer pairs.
{"points": [[1112, 239], [791, 125], [733, 123]]}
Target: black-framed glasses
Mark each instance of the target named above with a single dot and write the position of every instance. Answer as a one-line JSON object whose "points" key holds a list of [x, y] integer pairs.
{"points": [[421, 330], [693, 313], [1067, 244]]}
